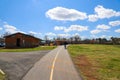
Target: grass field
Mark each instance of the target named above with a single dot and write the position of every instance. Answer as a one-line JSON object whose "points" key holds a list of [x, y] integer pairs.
{"points": [[97, 62], [2, 76], [28, 49]]}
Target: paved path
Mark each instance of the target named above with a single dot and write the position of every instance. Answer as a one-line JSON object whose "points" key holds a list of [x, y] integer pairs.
{"points": [[56, 65]]}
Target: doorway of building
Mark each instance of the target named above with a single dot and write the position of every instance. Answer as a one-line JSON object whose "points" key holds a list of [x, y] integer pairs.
{"points": [[18, 42]]}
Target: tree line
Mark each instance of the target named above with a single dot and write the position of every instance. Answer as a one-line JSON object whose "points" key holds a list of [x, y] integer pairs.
{"points": [[77, 40], [73, 40]]}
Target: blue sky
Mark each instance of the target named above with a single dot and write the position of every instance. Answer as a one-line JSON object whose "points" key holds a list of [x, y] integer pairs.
{"points": [[64, 18]]}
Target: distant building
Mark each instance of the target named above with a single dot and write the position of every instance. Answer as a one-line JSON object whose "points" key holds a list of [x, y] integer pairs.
{"points": [[59, 42], [21, 40]]}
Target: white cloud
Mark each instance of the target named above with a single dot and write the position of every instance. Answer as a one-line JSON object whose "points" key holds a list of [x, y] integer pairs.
{"points": [[64, 35], [93, 36], [115, 23], [103, 36], [65, 14], [72, 28], [83, 37], [92, 18], [103, 27], [105, 13], [1, 28], [10, 28], [32, 32], [76, 34], [76, 28], [40, 33], [101, 13], [50, 34], [118, 30], [59, 28], [100, 28], [96, 31]]}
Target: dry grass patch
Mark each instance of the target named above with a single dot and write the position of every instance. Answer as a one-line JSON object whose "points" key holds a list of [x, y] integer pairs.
{"points": [[28, 49], [2, 76], [97, 62]]}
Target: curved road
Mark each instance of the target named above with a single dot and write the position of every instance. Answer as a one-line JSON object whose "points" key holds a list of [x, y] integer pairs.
{"points": [[56, 65]]}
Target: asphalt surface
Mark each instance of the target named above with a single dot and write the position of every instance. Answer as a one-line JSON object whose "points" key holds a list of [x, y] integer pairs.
{"points": [[17, 64], [56, 65]]}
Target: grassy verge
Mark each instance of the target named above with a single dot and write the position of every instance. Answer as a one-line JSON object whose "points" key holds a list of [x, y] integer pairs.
{"points": [[2, 76], [28, 49], [97, 62]]}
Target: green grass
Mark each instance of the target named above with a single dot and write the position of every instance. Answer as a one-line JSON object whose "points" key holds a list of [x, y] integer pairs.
{"points": [[28, 49], [105, 60], [2, 77]]}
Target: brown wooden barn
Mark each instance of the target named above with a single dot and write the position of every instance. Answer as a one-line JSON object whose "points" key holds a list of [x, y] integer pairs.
{"points": [[59, 42], [21, 40]]}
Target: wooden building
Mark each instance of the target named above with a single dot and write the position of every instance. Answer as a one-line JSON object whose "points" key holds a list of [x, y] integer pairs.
{"points": [[21, 40], [59, 42]]}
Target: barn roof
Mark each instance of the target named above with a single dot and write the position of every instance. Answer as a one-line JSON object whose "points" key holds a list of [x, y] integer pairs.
{"points": [[22, 34]]}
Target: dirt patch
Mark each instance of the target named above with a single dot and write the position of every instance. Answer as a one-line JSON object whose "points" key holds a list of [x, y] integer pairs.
{"points": [[85, 67]]}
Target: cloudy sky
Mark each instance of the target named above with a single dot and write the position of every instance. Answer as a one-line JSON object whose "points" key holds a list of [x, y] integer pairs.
{"points": [[64, 18]]}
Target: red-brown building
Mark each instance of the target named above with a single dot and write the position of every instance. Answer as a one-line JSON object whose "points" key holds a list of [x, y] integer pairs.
{"points": [[60, 42], [21, 40]]}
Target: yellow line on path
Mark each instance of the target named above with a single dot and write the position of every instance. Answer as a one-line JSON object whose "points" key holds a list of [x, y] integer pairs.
{"points": [[53, 65]]}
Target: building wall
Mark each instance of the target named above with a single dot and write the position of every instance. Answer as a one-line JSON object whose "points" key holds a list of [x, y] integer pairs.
{"points": [[59, 42], [25, 41]]}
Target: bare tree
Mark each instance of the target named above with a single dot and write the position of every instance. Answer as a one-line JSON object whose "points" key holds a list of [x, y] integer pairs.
{"points": [[115, 40], [77, 38], [6, 34]]}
